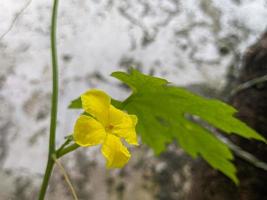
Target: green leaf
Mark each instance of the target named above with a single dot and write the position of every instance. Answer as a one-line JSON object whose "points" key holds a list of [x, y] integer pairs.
{"points": [[163, 111], [76, 103]]}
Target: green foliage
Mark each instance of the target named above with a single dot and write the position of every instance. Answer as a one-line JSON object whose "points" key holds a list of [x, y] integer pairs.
{"points": [[166, 113], [76, 103]]}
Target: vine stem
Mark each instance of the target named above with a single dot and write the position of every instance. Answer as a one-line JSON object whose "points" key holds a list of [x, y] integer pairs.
{"points": [[68, 149], [249, 84], [54, 103], [67, 179]]}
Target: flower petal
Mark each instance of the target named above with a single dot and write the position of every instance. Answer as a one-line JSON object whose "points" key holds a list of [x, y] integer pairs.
{"points": [[88, 131], [116, 154], [116, 116], [123, 125], [96, 103], [132, 137]]}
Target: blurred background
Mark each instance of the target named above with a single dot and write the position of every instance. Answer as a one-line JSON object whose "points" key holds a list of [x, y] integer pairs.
{"points": [[194, 44]]}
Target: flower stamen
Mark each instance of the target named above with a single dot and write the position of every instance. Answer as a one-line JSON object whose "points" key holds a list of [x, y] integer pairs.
{"points": [[109, 128]]}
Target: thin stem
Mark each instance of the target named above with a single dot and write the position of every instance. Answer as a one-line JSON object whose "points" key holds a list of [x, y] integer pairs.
{"points": [[48, 172], [250, 158], [68, 140], [66, 177], [53, 122], [249, 84], [62, 152], [54, 102]]}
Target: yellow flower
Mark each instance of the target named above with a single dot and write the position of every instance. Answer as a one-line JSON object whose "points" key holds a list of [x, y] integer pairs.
{"points": [[106, 126]]}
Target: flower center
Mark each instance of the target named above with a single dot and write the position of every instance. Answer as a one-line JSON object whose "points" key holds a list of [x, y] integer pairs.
{"points": [[109, 128]]}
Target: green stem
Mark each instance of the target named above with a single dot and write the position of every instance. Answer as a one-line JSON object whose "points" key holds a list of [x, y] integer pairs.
{"points": [[54, 101], [48, 172], [53, 122], [64, 144], [62, 152]]}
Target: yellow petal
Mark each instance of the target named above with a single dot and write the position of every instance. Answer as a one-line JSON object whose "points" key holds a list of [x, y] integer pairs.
{"points": [[132, 137], [123, 125], [115, 152], [88, 131], [116, 116], [96, 103]]}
